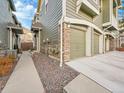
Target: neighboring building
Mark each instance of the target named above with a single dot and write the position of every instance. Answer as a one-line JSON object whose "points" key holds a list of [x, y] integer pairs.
{"points": [[122, 40], [121, 35], [76, 28], [26, 39], [26, 36], [36, 30], [9, 25]]}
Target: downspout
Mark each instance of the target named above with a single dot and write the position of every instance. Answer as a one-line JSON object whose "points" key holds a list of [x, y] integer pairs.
{"points": [[61, 31]]}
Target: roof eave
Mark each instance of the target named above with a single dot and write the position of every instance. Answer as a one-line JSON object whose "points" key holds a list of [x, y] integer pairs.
{"points": [[12, 5]]}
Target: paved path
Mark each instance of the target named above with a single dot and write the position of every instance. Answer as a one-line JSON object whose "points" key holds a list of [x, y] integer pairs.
{"points": [[106, 69], [25, 78]]}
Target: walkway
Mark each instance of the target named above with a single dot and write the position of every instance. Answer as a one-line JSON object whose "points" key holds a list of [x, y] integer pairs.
{"points": [[25, 78], [106, 69]]}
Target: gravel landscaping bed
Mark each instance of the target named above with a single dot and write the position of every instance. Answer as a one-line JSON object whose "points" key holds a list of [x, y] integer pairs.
{"points": [[53, 77], [3, 81]]}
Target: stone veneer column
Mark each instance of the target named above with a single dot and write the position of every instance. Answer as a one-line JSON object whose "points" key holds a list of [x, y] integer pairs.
{"points": [[11, 39], [66, 42], [37, 42], [33, 40], [88, 41]]}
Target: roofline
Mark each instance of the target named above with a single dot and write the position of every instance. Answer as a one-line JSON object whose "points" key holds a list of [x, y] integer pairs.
{"points": [[12, 5], [15, 18]]}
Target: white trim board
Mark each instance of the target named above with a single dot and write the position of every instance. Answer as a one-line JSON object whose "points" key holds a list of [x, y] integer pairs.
{"points": [[83, 22]]}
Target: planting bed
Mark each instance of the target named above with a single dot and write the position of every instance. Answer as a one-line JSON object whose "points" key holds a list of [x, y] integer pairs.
{"points": [[120, 49], [7, 65], [53, 77]]}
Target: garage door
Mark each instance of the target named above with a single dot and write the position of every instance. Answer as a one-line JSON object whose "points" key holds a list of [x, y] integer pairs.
{"points": [[112, 44], [77, 44], [96, 43]]}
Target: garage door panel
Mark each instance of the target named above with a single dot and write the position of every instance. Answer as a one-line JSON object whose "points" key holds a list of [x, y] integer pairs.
{"points": [[77, 43], [96, 43]]}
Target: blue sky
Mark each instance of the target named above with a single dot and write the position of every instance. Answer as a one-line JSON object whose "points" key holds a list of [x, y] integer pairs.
{"points": [[121, 12], [25, 10]]}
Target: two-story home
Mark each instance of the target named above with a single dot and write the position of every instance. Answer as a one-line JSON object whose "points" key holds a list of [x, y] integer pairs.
{"points": [[36, 31], [9, 25], [121, 35], [77, 28]]}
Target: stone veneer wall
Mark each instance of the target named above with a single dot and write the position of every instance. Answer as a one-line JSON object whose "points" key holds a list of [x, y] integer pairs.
{"points": [[66, 42]]}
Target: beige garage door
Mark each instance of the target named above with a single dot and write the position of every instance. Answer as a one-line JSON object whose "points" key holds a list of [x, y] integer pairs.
{"points": [[77, 44], [112, 44], [96, 43]]}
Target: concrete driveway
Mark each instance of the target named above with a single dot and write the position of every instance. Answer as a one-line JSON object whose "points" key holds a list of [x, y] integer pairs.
{"points": [[106, 69]]}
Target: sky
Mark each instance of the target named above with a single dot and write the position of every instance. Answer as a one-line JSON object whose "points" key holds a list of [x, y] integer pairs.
{"points": [[121, 11], [25, 10]]}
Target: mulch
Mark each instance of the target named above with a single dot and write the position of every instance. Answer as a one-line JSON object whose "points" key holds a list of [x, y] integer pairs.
{"points": [[53, 77], [4, 79]]}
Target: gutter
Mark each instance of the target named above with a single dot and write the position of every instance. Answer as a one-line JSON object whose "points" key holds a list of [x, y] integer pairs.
{"points": [[12, 5], [61, 31]]}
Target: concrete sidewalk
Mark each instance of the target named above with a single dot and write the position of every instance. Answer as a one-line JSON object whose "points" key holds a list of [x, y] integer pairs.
{"points": [[25, 78], [106, 69]]}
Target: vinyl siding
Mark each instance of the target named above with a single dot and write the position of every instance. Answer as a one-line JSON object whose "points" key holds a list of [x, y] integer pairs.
{"points": [[71, 11], [50, 20], [98, 20], [5, 17], [106, 11]]}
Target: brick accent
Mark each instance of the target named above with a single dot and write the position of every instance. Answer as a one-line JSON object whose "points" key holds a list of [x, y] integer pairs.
{"points": [[66, 42]]}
